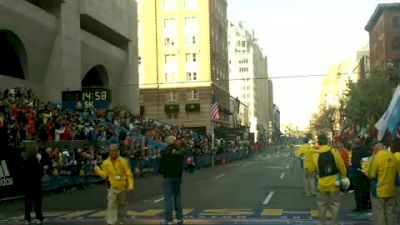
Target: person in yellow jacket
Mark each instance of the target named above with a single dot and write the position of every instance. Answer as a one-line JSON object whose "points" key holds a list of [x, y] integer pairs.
{"points": [[382, 173], [116, 170], [305, 154], [329, 168], [395, 148]]}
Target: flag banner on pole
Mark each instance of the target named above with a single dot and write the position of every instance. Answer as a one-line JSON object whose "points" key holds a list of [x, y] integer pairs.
{"points": [[391, 117], [214, 109]]}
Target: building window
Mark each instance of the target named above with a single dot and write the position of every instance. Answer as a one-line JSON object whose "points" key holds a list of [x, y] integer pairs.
{"points": [[191, 23], [139, 60], [193, 95], [171, 96], [191, 76], [170, 31], [170, 59], [191, 57], [170, 77], [141, 98], [190, 4], [169, 41], [190, 39], [396, 43], [170, 24], [396, 22], [169, 5]]}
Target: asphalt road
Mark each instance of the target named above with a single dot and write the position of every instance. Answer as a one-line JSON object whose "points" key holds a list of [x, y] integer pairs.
{"points": [[265, 189]]}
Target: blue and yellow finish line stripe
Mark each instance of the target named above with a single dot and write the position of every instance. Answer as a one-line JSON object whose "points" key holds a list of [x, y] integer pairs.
{"points": [[200, 214]]}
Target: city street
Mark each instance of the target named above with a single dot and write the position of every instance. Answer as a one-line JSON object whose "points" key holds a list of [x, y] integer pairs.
{"points": [[264, 189]]}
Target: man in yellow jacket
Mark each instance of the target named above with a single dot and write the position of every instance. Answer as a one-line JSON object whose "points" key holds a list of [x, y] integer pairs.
{"points": [[382, 171], [116, 170], [305, 153], [329, 167]]}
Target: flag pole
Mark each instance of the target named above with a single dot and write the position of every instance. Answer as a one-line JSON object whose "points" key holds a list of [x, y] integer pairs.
{"points": [[212, 143]]}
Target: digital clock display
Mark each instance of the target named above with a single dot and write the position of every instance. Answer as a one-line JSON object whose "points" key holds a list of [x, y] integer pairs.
{"points": [[95, 95], [86, 98]]}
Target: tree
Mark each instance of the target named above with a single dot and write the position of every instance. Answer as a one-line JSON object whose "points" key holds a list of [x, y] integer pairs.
{"points": [[365, 102], [325, 122]]}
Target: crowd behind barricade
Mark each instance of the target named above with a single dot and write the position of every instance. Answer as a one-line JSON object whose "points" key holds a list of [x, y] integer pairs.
{"points": [[23, 117]]}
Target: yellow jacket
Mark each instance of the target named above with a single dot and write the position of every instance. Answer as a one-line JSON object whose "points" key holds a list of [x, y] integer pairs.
{"points": [[305, 153], [397, 157], [328, 183], [382, 171], [117, 172]]}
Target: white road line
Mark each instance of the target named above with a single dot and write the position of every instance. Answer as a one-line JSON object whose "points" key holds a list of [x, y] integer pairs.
{"points": [[159, 200], [219, 176], [268, 198], [275, 167], [283, 174], [287, 167]]}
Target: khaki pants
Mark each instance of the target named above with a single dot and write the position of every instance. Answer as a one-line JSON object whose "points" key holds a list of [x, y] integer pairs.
{"points": [[116, 206], [328, 201], [308, 182], [382, 210], [397, 204]]}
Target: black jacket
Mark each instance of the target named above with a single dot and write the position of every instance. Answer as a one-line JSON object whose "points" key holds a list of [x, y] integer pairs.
{"points": [[33, 173], [171, 163]]}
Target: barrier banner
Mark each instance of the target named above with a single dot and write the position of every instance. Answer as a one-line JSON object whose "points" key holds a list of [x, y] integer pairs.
{"points": [[11, 180]]}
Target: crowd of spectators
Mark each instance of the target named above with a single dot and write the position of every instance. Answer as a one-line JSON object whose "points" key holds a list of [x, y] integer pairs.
{"points": [[23, 117]]}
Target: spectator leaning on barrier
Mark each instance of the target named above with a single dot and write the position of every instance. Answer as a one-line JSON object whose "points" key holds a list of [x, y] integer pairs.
{"points": [[329, 167], [116, 170], [382, 172], [171, 168]]}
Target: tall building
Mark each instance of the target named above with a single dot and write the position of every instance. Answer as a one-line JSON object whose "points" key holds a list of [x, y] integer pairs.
{"points": [[183, 61], [54, 46], [249, 78], [384, 36], [363, 67], [335, 82]]}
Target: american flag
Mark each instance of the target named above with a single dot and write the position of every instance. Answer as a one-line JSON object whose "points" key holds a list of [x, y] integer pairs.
{"points": [[214, 109]]}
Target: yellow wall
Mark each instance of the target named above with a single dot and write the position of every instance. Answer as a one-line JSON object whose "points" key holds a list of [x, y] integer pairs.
{"points": [[148, 50]]}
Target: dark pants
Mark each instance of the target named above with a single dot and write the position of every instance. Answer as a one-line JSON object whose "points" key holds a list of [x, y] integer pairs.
{"points": [[33, 197], [362, 191], [172, 197]]}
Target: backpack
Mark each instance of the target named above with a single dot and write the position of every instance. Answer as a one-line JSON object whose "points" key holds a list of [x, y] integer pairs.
{"points": [[327, 164]]}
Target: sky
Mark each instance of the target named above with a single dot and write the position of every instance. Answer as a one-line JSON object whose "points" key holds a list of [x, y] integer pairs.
{"points": [[303, 37]]}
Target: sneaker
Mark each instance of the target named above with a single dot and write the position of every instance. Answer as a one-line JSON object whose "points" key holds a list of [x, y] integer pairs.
{"points": [[39, 222], [27, 222], [179, 222]]}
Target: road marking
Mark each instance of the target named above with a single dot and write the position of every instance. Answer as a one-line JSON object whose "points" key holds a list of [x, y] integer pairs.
{"points": [[243, 166], [268, 198], [283, 174], [287, 167], [219, 176], [275, 167], [159, 200]]}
